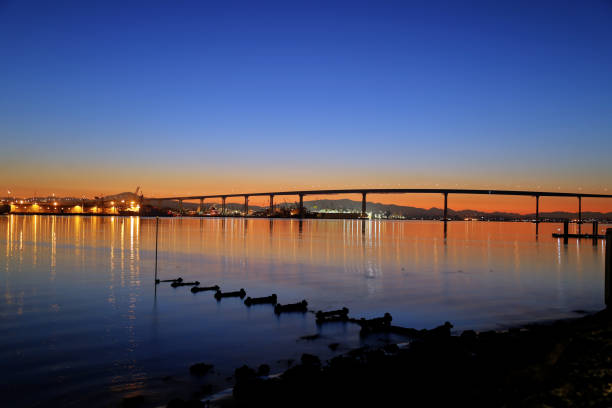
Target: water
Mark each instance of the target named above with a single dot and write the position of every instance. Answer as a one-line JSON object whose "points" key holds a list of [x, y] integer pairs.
{"points": [[81, 321]]}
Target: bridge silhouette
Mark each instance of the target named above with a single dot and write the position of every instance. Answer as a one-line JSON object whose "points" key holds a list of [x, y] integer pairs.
{"points": [[365, 191]]}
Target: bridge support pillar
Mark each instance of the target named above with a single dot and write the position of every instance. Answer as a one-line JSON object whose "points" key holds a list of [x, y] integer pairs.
{"points": [[222, 205], [445, 212], [608, 279], [181, 207], [200, 206], [445, 207], [271, 205], [537, 214], [301, 208], [579, 214], [363, 204], [246, 205]]}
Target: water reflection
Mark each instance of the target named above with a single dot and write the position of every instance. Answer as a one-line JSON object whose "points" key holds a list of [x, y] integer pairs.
{"points": [[77, 291]]}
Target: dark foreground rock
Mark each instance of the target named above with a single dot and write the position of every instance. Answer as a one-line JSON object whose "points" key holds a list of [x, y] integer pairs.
{"points": [[565, 364]]}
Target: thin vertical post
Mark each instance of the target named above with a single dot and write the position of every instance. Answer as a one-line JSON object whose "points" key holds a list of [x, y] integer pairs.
{"points": [[156, 239], [363, 204], [246, 205], [595, 232], [200, 206], [565, 230], [271, 205], [608, 279], [222, 205], [181, 207]]}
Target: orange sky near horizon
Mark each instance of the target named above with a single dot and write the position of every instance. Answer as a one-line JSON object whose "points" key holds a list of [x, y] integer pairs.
{"points": [[67, 181]]}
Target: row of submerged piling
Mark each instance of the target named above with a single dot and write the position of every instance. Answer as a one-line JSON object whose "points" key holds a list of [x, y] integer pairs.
{"points": [[246, 378], [340, 315]]}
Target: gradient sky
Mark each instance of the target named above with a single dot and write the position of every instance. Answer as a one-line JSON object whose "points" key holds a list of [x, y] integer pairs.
{"points": [[202, 97]]}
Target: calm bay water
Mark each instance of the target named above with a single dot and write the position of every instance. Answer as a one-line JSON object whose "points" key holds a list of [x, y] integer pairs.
{"points": [[81, 321]]}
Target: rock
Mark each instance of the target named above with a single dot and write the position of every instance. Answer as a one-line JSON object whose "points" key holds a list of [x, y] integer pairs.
{"points": [[180, 403], [311, 337], [441, 331], [244, 373], [469, 335], [310, 360], [133, 402], [263, 370], [391, 348], [200, 369]]}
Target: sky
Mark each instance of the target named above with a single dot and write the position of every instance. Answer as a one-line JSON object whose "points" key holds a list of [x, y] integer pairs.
{"points": [[186, 98]]}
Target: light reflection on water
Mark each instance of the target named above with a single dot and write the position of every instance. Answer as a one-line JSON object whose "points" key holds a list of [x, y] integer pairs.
{"points": [[80, 315]]}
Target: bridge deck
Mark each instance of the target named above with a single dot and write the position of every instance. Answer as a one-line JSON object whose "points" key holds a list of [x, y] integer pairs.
{"points": [[391, 191]]}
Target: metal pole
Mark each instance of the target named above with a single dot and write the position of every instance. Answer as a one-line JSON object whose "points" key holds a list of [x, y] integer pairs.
{"points": [[222, 205], [608, 279], [246, 205], [565, 230], [271, 205], [156, 239]]}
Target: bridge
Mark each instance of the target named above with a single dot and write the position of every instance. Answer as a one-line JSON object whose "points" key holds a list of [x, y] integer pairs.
{"points": [[365, 191]]}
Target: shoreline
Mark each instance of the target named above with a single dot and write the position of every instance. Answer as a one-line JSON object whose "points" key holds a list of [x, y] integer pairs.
{"points": [[562, 363], [603, 222]]}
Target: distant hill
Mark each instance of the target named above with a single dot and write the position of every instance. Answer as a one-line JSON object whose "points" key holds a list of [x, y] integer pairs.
{"points": [[387, 209], [433, 213]]}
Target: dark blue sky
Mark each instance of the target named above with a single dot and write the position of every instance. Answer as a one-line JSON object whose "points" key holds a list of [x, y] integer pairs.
{"points": [[298, 93]]}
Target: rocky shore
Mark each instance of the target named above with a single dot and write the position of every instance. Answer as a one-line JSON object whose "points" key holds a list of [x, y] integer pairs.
{"points": [[563, 364]]}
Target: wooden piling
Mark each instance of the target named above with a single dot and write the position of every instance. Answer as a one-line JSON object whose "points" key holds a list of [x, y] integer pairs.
{"points": [[565, 231], [608, 278]]}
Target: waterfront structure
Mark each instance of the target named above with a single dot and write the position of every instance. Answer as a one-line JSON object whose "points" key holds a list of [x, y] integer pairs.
{"points": [[364, 192]]}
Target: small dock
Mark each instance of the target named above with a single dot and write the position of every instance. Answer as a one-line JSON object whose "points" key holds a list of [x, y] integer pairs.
{"points": [[587, 236], [594, 235]]}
